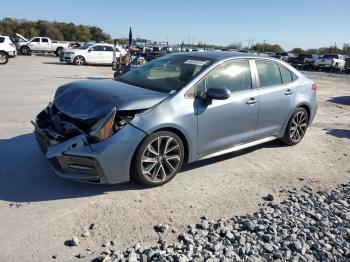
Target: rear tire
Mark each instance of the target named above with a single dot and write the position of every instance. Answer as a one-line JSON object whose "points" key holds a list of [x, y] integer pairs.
{"points": [[58, 50], [158, 159], [296, 128], [4, 58], [79, 60], [25, 50]]}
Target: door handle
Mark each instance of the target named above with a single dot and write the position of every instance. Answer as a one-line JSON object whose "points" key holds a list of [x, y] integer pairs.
{"points": [[289, 92], [252, 101]]}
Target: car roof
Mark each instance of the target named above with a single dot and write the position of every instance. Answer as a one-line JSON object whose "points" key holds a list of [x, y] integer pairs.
{"points": [[102, 44], [218, 55]]}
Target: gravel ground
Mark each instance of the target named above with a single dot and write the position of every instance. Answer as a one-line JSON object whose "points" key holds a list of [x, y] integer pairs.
{"points": [[40, 213], [308, 226]]}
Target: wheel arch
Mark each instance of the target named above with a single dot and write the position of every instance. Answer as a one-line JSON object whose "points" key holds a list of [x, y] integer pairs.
{"points": [[181, 135], [24, 46], [304, 105], [174, 130]]}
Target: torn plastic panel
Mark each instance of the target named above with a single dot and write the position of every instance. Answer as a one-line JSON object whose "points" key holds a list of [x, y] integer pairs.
{"points": [[55, 127]]}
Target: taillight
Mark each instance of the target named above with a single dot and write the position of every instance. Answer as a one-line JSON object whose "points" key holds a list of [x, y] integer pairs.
{"points": [[314, 87], [13, 45]]}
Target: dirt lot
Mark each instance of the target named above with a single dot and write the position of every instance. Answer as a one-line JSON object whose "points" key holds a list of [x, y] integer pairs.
{"points": [[40, 211]]}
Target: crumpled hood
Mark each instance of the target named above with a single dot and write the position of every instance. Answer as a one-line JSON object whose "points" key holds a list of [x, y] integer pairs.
{"points": [[90, 99]]}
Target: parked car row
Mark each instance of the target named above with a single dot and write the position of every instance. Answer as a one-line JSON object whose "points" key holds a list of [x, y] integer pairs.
{"points": [[41, 45], [91, 54], [329, 62], [7, 49]]}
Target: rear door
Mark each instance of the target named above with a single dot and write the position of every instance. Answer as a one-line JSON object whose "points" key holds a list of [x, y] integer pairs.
{"points": [[45, 44], [277, 90], [225, 123], [108, 54]]}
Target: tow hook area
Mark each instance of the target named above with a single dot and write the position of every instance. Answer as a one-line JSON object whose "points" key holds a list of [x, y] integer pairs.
{"points": [[68, 146]]}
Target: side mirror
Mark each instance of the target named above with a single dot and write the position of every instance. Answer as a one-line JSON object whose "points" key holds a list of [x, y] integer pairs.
{"points": [[215, 93]]}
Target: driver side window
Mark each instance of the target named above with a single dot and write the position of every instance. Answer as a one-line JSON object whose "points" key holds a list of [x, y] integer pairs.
{"points": [[234, 75]]}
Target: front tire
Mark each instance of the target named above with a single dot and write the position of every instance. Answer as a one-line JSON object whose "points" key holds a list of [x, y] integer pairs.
{"points": [[296, 127], [79, 60], [25, 50], [4, 58], [158, 159]]}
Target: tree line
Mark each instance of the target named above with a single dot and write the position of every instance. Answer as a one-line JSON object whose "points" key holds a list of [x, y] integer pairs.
{"points": [[55, 30], [275, 48]]}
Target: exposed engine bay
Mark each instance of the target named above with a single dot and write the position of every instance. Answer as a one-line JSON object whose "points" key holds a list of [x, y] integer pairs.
{"points": [[59, 127]]}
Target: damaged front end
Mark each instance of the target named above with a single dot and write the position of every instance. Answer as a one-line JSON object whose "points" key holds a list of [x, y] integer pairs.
{"points": [[68, 143]]}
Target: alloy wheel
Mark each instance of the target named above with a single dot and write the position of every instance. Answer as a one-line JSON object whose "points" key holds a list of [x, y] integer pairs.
{"points": [[298, 127], [79, 60], [161, 159], [3, 58]]}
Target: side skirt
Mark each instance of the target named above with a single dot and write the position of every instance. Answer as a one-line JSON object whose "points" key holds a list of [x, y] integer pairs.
{"points": [[239, 147]]}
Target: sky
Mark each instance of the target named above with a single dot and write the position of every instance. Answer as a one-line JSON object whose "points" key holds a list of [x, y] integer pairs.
{"points": [[296, 23]]}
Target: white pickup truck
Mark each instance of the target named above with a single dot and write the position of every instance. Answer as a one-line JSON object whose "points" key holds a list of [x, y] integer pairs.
{"points": [[330, 62], [41, 44]]}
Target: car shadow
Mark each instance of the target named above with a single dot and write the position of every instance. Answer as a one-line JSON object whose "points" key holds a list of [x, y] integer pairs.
{"points": [[213, 160], [66, 64], [339, 133], [343, 100], [25, 175]]}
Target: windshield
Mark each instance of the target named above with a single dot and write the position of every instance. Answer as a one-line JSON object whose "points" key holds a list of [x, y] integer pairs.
{"points": [[168, 73], [85, 46]]}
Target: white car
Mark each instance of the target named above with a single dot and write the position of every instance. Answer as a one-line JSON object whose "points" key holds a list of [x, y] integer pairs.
{"points": [[91, 54], [7, 49]]}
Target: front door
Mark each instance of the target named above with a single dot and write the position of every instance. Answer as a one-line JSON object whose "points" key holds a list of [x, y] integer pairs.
{"points": [[34, 44], [225, 123]]}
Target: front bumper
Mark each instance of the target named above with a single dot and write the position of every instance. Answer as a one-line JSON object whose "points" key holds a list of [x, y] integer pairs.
{"points": [[66, 59], [12, 53], [104, 162]]}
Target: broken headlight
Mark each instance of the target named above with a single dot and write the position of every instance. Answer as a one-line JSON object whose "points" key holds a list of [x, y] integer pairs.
{"points": [[108, 125], [102, 129]]}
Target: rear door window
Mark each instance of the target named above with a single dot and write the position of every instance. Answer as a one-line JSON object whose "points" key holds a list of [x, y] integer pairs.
{"points": [[2, 39], [108, 48], [269, 73], [98, 48], [44, 40], [286, 75]]}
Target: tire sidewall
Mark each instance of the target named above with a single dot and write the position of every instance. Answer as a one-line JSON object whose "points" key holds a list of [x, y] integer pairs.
{"points": [[286, 137], [75, 58], [25, 50], [6, 58], [58, 50], [136, 172]]}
